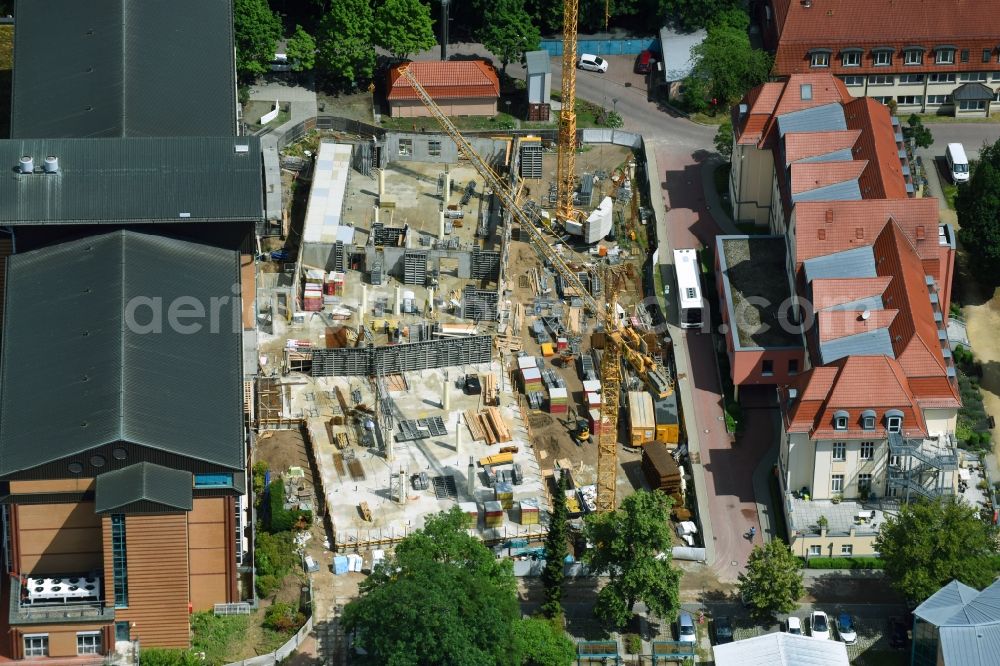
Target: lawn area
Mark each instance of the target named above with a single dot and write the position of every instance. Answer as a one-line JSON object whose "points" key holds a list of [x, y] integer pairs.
{"points": [[949, 190], [931, 118], [777, 512]]}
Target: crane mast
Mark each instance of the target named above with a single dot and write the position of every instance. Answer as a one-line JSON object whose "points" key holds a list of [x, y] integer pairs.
{"points": [[566, 165]]}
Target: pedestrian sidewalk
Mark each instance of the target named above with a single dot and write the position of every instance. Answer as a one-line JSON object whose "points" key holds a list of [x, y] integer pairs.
{"points": [[712, 200]]}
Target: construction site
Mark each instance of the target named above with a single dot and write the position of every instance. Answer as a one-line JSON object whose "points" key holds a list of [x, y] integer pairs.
{"points": [[460, 322]]}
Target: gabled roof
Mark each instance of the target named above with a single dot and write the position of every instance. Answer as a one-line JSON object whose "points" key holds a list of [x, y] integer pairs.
{"points": [[817, 175], [839, 293], [883, 177], [450, 79], [781, 649], [802, 92], [105, 369], [813, 145], [760, 103], [835, 324], [145, 487], [103, 181], [112, 68], [825, 118]]}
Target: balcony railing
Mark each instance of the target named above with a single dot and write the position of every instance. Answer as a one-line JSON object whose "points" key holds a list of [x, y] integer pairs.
{"points": [[55, 612]]}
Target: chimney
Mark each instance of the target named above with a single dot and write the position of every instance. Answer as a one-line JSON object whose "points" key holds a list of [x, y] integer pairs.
{"points": [[807, 3], [821, 234], [829, 216], [26, 164]]}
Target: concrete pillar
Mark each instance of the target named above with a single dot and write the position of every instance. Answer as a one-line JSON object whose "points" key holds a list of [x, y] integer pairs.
{"points": [[381, 183], [430, 298], [395, 308], [447, 188], [471, 488], [441, 225], [445, 394], [363, 310], [376, 214]]}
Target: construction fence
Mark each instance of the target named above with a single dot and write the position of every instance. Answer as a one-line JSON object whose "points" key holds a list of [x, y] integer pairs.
{"points": [[603, 46]]}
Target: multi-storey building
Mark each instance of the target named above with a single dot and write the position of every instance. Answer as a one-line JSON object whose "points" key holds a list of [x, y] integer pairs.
{"points": [[927, 57], [128, 216], [843, 309]]}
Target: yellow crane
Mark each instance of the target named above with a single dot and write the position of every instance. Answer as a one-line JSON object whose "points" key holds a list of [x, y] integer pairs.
{"points": [[566, 164], [619, 339]]}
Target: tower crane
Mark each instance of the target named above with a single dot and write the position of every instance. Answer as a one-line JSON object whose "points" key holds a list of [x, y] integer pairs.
{"points": [[566, 157], [619, 340]]}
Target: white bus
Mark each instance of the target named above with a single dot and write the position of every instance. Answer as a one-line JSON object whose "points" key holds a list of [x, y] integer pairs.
{"points": [[690, 306]]}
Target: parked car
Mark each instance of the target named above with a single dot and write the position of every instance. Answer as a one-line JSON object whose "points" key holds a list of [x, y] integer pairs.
{"points": [[845, 629], [592, 63], [897, 633], [642, 62], [723, 630], [819, 625], [685, 628], [794, 625]]}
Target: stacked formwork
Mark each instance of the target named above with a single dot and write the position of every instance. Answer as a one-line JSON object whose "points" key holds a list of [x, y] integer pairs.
{"points": [[394, 359], [415, 267], [479, 304]]}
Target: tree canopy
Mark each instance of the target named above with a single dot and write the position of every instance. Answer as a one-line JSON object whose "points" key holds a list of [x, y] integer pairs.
{"points": [[301, 50], [632, 546], [256, 30], [345, 51], [931, 543], [403, 27], [443, 598], [724, 139], [978, 206], [725, 64], [555, 552], [916, 130], [772, 582], [507, 30], [690, 15]]}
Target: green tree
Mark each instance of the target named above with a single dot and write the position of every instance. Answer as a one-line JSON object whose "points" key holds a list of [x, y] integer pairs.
{"points": [[301, 50], [443, 598], [772, 582], [542, 642], [632, 546], [930, 543], [256, 30], [546, 14], [344, 39], [915, 130], [688, 15], [727, 61], [978, 207], [555, 553], [403, 27], [507, 30], [169, 657], [724, 139]]}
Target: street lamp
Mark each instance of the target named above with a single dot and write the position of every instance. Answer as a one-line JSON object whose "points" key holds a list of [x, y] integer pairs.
{"points": [[614, 102]]}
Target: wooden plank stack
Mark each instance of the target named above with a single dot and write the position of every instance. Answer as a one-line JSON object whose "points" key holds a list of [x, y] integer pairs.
{"points": [[488, 425], [660, 469], [366, 513], [490, 393]]}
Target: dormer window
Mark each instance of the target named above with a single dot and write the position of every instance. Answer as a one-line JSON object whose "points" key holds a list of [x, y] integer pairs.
{"points": [[851, 57], [868, 419], [882, 57], [819, 58], [944, 55], [894, 420], [913, 57], [840, 420]]}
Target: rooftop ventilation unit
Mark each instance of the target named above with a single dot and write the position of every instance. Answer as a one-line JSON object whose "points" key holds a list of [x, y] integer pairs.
{"points": [[26, 164], [242, 148], [51, 164]]}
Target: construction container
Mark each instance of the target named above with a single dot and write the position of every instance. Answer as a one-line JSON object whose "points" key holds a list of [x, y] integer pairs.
{"points": [[504, 493], [558, 401], [562, 344], [525, 362], [471, 511], [592, 385], [528, 511], [660, 468], [642, 421], [494, 514], [531, 380], [547, 349], [593, 401], [572, 503], [594, 421], [665, 410]]}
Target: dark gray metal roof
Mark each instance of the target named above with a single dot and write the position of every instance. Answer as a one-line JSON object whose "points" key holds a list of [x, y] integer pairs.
{"points": [[100, 372], [869, 343], [848, 190], [857, 262], [973, 91], [826, 118], [537, 62], [943, 604], [844, 155], [144, 482], [969, 623], [133, 180], [860, 305], [121, 68]]}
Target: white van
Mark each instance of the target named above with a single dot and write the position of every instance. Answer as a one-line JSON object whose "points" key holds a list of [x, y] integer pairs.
{"points": [[958, 163]]}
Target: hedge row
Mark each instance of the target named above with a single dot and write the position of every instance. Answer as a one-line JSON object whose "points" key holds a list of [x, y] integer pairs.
{"points": [[845, 563]]}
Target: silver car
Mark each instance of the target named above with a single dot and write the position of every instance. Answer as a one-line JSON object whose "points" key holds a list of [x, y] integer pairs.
{"points": [[685, 628], [592, 63]]}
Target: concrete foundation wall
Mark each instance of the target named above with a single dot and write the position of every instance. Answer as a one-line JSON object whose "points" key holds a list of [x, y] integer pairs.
{"points": [[394, 359], [444, 149]]}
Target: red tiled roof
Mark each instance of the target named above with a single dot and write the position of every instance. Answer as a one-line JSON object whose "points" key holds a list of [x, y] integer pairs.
{"points": [[760, 103], [850, 224], [803, 145], [768, 101], [811, 175], [914, 332], [867, 24], [826, 89], [883, 179], [831, 292], [449, 79], [835, 324]]}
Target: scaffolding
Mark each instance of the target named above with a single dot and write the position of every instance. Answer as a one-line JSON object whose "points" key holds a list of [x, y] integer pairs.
{"points": [[395, 359]]}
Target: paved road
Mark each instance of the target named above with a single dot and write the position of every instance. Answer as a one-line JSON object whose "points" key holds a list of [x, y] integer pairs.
{"points": [[970, 135]]}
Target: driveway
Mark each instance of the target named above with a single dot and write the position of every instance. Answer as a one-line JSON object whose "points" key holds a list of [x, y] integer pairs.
{"points": [[970, 135]]}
